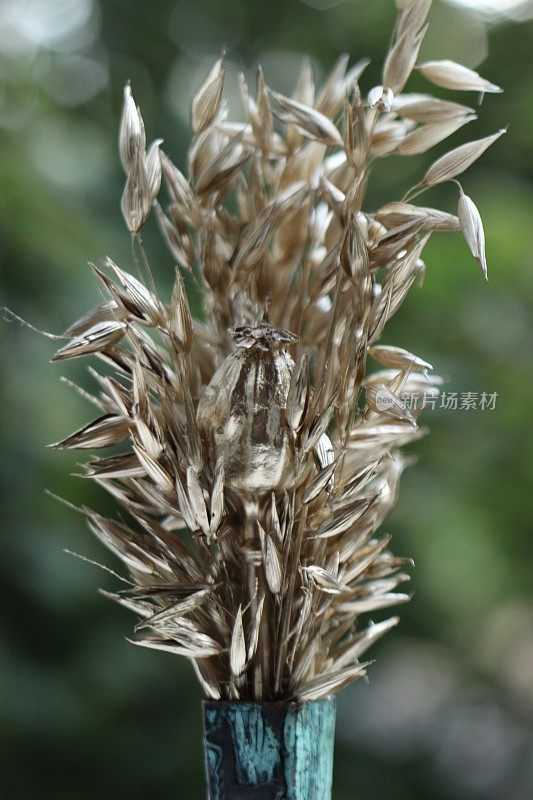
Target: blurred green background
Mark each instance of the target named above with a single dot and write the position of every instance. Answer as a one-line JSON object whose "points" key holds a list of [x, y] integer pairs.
{"points": [[448, 710]]}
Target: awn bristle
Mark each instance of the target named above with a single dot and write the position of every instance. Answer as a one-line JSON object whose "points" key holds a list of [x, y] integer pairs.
{"points": [[259, 457]]}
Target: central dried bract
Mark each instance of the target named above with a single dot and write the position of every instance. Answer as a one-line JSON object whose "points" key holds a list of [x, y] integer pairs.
{"points": [[242, 413]]}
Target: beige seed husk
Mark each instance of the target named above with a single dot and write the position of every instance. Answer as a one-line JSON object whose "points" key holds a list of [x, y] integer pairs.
{"points": [[454, 163], [472, 227], [237, 653], [426, 136], [206, 102], [451, 75], [132, 138]]}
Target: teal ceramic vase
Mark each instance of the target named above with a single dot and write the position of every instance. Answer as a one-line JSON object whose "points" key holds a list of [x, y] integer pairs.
{"points": [[269, 751]]}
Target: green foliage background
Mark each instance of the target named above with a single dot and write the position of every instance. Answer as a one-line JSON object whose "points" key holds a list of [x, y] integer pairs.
{"points": [[448, 711]]}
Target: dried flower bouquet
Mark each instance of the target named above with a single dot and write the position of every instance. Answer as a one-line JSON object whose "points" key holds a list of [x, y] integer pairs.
{"points": [[259, 456]]}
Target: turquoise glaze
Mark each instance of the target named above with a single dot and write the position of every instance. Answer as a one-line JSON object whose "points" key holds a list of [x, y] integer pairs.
{"points": [[269, 751]]}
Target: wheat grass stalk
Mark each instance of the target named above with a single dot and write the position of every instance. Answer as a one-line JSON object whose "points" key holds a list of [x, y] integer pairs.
{"points": [[259, 457]]}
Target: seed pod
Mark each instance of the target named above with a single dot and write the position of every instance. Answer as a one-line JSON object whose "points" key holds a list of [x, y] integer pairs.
{"points": [[426, 108], [354, 252], [452, 164], [237, 652], [402, 58], [135, 297], [181, 320], [472, 227], [397, 357], [207, 100], [136, 198], [451, 75], [132, 139], [380, 399], [394, 214], [153, 168], [310, 123], [242, 413], [105, 431], [426, 136], [93, 340]]}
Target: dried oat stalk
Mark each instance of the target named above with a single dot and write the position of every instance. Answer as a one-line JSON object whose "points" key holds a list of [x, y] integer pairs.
{"points": [[257, 458]]}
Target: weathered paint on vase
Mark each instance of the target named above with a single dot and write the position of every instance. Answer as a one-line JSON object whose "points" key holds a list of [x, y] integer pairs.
{"points": [[269, 751]]}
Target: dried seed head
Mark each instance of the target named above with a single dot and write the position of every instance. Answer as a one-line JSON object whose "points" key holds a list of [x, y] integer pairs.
{"points": [[255, 485]]}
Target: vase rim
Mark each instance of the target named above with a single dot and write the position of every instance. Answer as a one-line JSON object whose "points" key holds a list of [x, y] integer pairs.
{"points": [[293, 702]]}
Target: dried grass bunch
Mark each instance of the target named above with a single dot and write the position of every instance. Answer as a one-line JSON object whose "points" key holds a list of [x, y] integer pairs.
{"points": [[260, 457]]}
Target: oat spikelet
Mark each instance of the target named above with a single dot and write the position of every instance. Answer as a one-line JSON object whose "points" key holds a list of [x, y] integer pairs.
{"points": [[257, 458]]}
